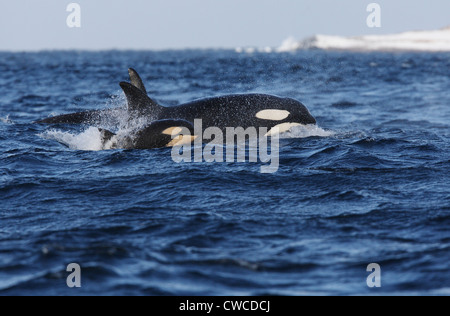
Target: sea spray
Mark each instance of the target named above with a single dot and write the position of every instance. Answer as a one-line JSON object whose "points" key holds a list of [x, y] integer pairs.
{"points": [[88, 140], [305, 131], [6, 120]]}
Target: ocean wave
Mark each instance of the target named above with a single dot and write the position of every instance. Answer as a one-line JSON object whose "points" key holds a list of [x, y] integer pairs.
{"points": [[370, 181]]}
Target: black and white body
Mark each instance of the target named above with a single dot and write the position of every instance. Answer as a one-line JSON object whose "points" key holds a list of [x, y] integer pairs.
{"points": [[241, 110], [158, 134]]}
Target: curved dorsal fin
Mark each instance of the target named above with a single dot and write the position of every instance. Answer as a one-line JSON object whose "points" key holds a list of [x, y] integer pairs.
{"points": [[138, 102], [136, 80]]}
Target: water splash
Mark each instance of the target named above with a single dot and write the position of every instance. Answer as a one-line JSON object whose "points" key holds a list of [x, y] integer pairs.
{"points": [[6, 120], [88, 140], [92, 139], [114, 118], [305, 131]]}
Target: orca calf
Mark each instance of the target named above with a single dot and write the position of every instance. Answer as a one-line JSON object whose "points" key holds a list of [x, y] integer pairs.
{"points": [[159, 134], [240, 110]]}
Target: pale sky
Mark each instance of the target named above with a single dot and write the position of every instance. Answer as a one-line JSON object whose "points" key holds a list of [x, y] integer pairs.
{"points": [[166, 24]]}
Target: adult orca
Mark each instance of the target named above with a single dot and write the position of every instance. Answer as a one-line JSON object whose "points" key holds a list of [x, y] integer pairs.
{"points": [[239, 110]]}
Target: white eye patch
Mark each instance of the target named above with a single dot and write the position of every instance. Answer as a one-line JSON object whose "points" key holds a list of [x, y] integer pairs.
{"points": [[273, 115]]}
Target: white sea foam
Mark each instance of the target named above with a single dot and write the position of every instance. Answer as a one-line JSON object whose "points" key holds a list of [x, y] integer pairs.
{"points": [[305, 131], [6, 120], [252, 50], [88, 140], [116, 119], [426, 41]]}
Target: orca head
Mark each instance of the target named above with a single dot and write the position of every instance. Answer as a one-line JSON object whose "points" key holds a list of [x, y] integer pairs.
{"points": [[285, 115], [164, 133], [299, 113]]}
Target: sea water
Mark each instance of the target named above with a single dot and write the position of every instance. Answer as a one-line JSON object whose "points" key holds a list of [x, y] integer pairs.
{"points": [[369, 184]]}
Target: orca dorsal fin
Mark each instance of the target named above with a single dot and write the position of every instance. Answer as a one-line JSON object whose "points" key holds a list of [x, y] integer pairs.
{"points": [[138, 102], [136, 80]]}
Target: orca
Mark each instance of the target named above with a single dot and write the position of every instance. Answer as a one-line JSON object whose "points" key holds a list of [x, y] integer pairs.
{"points": [[158, 134], [238, 110]]}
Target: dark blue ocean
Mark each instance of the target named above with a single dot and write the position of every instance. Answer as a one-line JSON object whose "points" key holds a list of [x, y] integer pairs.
{"points": [[371, 185]]}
